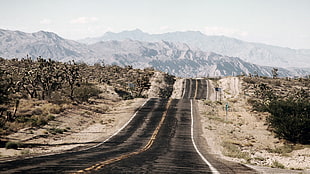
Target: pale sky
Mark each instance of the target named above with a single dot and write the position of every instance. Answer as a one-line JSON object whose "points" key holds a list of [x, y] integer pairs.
{"points": [[277, 22]]}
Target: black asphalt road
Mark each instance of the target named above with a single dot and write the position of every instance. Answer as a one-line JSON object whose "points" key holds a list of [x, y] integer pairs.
{"points": [[195, 89], [157, 140], [173, 150]]}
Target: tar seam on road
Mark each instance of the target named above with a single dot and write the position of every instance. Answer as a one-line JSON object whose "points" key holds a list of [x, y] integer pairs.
{"points": [[213, 170], [145, 148]]}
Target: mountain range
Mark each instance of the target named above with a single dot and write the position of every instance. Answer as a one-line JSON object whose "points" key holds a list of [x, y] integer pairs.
{"points": [[257, 53], [46, 44], [138, 49]]}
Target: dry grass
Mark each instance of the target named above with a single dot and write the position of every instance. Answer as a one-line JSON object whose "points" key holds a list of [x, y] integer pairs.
{"points": [[50, 108], [287, 148], [276, 164], [218, 119], [232, 149]]}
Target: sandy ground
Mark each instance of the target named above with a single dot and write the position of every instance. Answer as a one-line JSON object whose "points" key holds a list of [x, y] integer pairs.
{"points": [[242, 135], [83, 126]]}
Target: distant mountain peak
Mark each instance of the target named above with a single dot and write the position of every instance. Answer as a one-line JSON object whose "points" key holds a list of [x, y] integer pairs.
{"points": [[136, 31], [42, 43]]}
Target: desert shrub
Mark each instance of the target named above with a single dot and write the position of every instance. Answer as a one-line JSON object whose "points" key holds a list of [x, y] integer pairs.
{"points": [[218, 102], [51, 117], [55, 131], [127, 97], [233, 150], [56, 109], [277, 83], [85, 92], [60, 97], [13, 145], [207, 102], [290, 119], [250, 80], [258, 105], [124, 94], [38, 121], [35, 120], [37, 111], [165, 93], [52, 109], [276, 164], [286, 148]]}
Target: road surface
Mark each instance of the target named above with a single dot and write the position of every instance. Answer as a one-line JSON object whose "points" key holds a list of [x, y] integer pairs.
{"points": [[162, 137]]}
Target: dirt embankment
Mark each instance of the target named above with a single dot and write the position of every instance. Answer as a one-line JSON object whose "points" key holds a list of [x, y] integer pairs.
{"points": [[243, 136]]}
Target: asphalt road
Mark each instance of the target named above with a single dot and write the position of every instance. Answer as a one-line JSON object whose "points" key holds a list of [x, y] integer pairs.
{"points": [[173, 150], [132, 138], [161, 138]]}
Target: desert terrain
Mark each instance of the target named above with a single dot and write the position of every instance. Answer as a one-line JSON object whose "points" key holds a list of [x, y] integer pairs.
{"points": [[240, 136]]}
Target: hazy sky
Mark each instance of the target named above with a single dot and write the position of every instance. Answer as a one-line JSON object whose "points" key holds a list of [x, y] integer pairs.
{"points": [[277, 22]]}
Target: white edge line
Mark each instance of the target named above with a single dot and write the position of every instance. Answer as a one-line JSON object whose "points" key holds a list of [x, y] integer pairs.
{"points": [[213, 170], [56, 153]]}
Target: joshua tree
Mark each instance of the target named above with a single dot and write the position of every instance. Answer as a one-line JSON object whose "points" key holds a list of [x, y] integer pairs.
{"points": [[72, 76], [274, 72]]}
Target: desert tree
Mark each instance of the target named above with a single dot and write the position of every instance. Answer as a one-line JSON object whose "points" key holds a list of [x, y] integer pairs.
{"points": [[274, 72], [5, 86], [72, 76], [50, 76]]}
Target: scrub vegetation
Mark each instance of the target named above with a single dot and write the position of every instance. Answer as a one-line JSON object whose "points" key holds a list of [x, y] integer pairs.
{"points": [[288, 103], [33, 91]]}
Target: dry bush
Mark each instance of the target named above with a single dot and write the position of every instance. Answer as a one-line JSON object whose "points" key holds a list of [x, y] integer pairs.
{"points": [[50, 108], [233, 150]]}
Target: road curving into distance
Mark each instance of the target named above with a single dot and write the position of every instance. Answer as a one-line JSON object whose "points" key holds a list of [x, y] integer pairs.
{"points": [[163, 136]]}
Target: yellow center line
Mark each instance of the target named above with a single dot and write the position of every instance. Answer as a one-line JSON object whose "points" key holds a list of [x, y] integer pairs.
{"points": [[196, 91], [145, 148]]}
